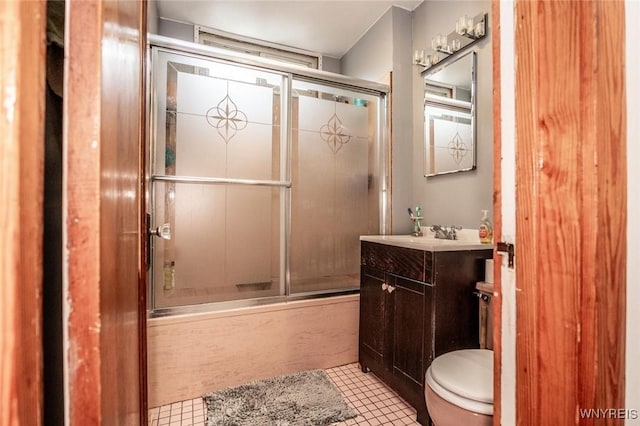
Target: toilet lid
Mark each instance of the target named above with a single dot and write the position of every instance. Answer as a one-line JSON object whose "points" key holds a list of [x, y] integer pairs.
{"points": [[467, 373]]}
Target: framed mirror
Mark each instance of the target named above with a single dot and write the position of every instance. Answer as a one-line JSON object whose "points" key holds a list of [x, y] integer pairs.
{"points": [[450, 116]]}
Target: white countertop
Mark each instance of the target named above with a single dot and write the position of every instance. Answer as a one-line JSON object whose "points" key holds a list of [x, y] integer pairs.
{"points": [[467, 240]]}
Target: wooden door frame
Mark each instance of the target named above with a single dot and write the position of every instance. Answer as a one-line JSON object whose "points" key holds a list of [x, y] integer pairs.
{"points": [[81, 123], [22, 80], [143, 290], [571, 209], [104, 188], [497, 299]]}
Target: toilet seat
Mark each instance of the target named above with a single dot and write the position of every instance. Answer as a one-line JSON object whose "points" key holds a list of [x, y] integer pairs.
{"points": [[464, 378]]}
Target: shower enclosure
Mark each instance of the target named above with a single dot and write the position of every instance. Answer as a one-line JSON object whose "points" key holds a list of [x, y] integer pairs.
{"points": [[261, 177]]}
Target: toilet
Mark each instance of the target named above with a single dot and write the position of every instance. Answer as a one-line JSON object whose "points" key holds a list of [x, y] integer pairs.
{"points": [[459, 385]]}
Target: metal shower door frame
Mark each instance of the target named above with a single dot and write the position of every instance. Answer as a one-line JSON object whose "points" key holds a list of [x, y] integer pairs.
{"points": [[158, 44]]}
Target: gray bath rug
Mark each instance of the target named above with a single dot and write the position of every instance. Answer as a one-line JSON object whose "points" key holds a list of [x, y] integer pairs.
{"points": [[305, 398]]}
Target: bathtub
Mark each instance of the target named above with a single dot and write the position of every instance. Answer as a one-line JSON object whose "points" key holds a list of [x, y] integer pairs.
{"points": [[188, 355]]}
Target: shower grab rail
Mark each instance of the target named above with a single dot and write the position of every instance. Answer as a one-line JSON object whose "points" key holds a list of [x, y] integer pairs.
{"points": [[212, 180]]}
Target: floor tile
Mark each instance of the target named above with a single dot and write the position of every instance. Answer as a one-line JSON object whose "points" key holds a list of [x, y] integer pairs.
{"points": [[374, 402]]}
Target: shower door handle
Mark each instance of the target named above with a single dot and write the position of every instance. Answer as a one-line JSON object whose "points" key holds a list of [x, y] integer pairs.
{"points": [[163, 231]]}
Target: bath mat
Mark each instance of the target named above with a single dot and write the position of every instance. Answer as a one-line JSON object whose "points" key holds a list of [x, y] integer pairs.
{"points": [[305, 398]]}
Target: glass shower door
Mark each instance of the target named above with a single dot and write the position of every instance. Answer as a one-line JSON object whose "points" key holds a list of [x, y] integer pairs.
{"points": [[335, 184], [216, 180], [265, 179]]}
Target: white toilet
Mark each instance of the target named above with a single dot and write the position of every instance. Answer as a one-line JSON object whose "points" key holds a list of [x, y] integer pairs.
{"points": [[459, 385]]}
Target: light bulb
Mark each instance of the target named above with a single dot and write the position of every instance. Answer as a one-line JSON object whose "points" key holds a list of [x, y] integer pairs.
{"points": [[461, 25]]}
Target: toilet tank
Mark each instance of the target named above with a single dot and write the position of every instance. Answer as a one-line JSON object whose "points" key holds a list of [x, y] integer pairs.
{"points": [[485, 293]]}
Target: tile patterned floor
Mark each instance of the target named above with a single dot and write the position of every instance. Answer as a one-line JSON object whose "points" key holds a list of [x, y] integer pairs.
{"points": [[191, 412], [374, 402]]}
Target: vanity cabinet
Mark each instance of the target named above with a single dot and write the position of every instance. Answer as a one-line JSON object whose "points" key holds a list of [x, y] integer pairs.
{"points": [[414, 306]]}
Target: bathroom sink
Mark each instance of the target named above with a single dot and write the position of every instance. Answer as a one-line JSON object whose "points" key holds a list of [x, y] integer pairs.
{"points": [[468, 240]]}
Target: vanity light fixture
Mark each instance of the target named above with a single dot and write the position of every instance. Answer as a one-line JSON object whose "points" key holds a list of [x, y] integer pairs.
{"points": [[468, 31]]}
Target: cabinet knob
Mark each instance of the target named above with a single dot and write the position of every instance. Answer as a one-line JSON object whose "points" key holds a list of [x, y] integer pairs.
{"points": [[384, 286], [390, 289]]}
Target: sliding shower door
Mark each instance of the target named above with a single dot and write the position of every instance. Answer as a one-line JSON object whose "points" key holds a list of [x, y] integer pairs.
{"points": [[260, 181], [335, 192], [216, 181]]}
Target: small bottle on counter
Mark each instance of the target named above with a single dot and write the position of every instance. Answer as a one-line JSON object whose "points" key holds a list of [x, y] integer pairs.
{"points": [[485, 231]]}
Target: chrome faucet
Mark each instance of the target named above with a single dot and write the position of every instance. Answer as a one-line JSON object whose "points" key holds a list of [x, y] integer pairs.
{"points": [[445, 234]]}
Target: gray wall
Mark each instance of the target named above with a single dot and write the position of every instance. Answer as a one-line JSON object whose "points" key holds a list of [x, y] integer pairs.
{"points": [[152, 17], [371, 58], [174, 29], [402, 122], [331, 64], [386, 48], [457, 198]]}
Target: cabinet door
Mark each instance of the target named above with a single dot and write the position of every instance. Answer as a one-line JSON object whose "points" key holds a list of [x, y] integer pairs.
{"points": [[411, 316], [372, 317]]}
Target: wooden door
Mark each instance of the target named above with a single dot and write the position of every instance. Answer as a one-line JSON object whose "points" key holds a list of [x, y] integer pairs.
{"points": [[103, 138], [22, 78], [571, 208]]}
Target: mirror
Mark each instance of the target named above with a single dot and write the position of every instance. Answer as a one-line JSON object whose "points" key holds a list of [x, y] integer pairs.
{"points": [[449, 116]]}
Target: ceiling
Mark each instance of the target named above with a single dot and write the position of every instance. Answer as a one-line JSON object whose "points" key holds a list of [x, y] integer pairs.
{"points": [[327, 27]]}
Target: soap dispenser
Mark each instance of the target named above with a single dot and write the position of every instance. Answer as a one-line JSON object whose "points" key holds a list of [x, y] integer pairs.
{"points": [[485, 231]]}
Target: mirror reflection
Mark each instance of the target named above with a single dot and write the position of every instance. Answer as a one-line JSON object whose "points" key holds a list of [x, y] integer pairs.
{"points": [[449, 116]]}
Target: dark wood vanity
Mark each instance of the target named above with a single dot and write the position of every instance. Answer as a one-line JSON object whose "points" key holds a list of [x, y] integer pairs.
{"points": [[415, 305]]}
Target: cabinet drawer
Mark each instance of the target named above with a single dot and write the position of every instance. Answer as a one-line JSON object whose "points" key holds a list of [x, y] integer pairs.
{"points": [[373, 273], [396, 260]]}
